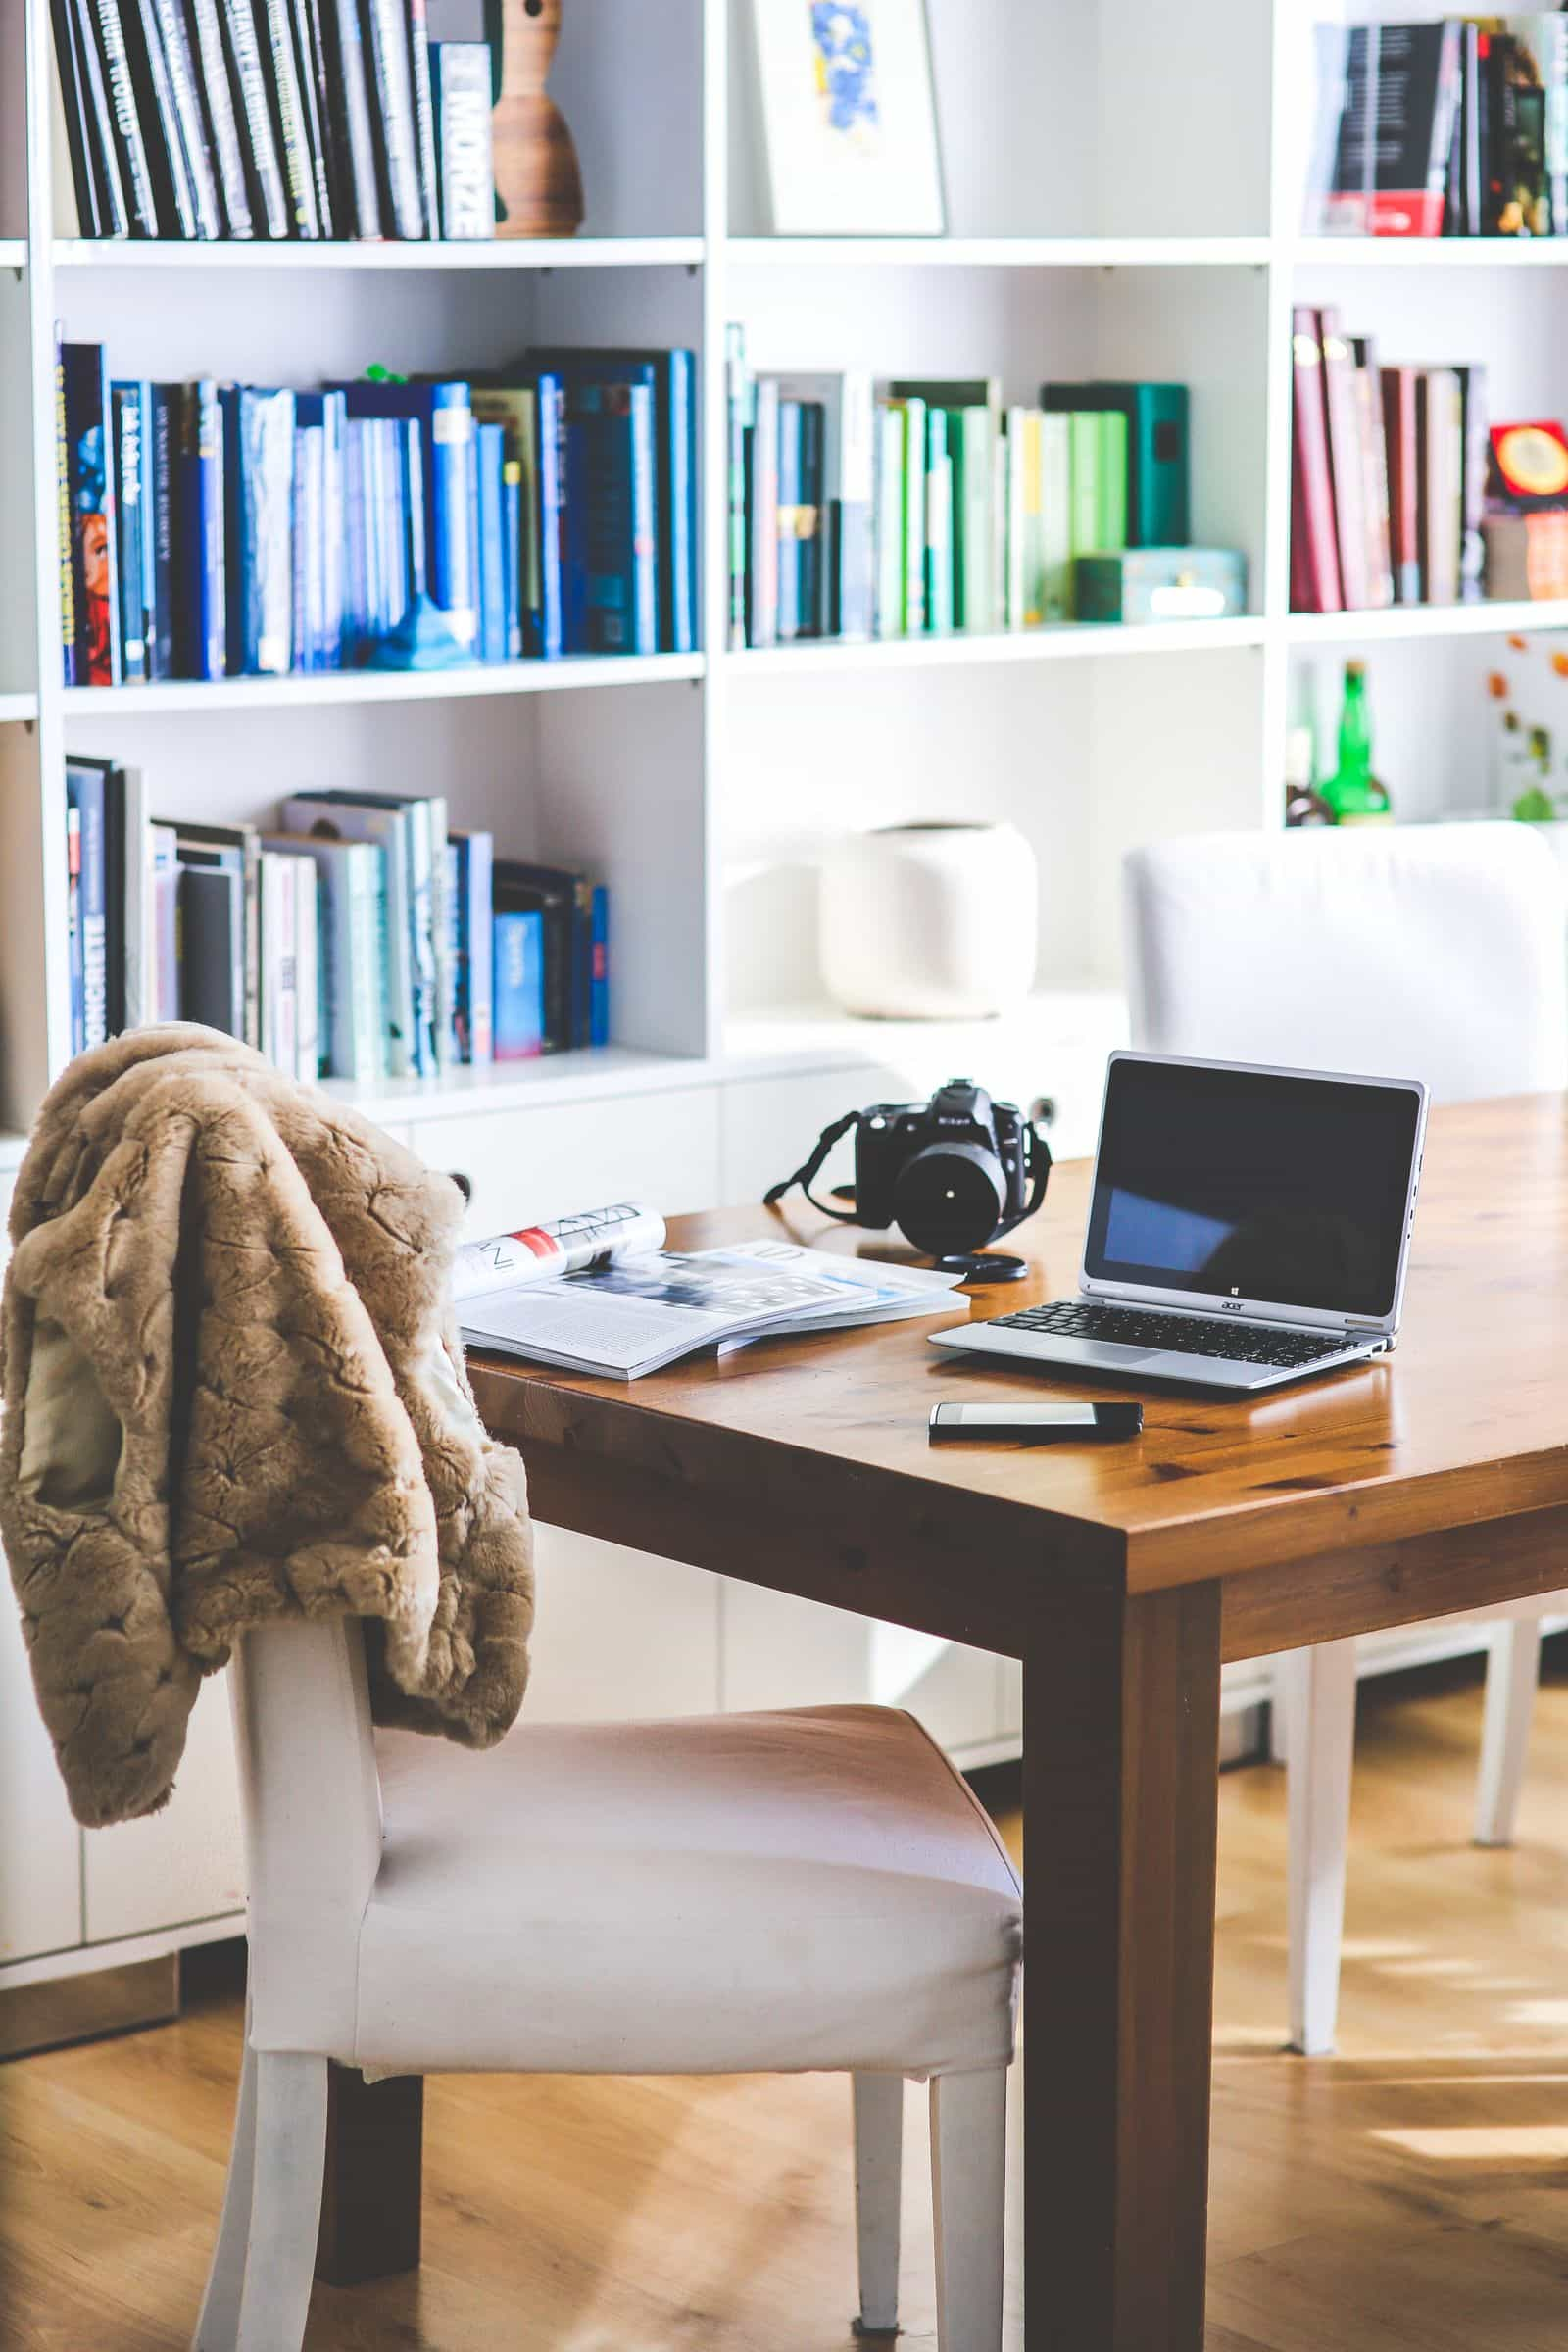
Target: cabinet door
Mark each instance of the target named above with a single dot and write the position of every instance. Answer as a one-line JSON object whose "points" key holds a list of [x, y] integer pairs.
{"points": [[527, 1166], [619, 1633], [40, 1844], [186, 1862]]}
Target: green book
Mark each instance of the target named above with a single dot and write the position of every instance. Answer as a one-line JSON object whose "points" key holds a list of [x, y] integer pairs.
{"points": [[913, 413], [971, 443], [938, 524], [1159, 465], [888, 510], [1083, 443], [1112, 499], [1056, 515]]}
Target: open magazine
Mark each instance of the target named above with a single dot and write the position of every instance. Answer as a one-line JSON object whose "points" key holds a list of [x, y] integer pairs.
{"points": [[598, 1293]]}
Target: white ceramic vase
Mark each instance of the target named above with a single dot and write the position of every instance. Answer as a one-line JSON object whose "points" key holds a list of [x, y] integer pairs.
{"points": [[935, 922]]}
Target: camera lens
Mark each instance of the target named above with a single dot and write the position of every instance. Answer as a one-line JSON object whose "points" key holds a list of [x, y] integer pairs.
{"points": [[950, 1198]]}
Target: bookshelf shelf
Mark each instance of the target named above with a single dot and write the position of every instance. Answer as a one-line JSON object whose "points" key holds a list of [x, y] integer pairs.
{"points": [[582, 672], [1073, 642], [517, 1085], [1481, 619], [1000, 253], [1427, 253], [13, 253], [511, 253], [18, 708]]}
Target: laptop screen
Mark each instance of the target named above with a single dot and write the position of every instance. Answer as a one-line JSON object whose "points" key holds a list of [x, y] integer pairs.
{"points": [[1281, 1189]]}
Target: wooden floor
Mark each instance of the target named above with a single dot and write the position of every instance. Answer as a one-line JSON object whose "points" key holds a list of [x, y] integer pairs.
{"points": [[1410, 2195]]}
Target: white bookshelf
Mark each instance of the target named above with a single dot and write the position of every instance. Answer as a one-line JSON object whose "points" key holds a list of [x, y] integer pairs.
{"points": [[1123, 196]]}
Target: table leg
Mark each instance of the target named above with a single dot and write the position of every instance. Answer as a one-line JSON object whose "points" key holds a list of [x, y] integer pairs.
{"points": [[1121, 1739], [370, 2195]]}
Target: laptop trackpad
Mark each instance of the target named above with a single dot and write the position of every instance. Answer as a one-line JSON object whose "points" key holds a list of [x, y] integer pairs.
{"points": [[1107, 1355]]}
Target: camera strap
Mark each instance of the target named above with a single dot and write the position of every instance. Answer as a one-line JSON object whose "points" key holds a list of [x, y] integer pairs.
{"points": [[1040, 1165], [807, 1174]]}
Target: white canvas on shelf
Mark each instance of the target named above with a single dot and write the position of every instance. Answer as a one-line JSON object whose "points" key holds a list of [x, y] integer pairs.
{"points": [[846, 117]]}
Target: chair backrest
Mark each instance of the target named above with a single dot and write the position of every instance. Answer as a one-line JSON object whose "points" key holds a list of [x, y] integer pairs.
{"points": [[1434, 951], [312, 1805]]}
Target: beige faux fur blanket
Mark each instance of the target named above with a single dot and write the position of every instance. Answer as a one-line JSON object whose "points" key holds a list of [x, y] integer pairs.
{"points": [[234, 1392]]}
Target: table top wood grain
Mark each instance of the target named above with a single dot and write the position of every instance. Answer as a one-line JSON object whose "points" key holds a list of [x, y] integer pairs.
{"points": [[1466, 1423]]}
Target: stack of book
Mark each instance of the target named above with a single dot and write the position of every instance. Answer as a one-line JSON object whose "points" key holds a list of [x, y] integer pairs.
{"points": [[358, 939], [921, 505], [219, 530], [307, 118], [1453, 128], [1389, 477]]}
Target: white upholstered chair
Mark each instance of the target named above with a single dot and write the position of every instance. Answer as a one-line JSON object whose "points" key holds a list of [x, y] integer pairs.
{"points": [[720, 1895], [1433, 952]]}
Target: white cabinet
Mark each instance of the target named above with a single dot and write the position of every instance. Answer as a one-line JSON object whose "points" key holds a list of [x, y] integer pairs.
{"points": [[770, 1125], [527, 1166], [40, 1845], [185, 1863]]}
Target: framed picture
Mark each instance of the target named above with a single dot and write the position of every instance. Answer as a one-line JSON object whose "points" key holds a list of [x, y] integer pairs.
{"points": [[848, 118]]}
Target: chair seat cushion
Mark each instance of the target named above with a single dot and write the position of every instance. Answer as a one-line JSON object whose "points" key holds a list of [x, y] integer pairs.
{"points": [[716, 1894]]}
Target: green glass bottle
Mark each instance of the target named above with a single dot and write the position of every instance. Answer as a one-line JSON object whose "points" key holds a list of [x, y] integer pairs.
{"points": [[1354, 793]]}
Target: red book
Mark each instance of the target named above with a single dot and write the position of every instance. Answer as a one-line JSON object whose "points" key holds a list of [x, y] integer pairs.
{"points": [[1398, 440], [1344, 461], [1314, 556]]}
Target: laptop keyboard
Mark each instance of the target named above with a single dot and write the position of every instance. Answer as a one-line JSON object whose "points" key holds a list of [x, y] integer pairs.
{"points": [[1187, 1335]]}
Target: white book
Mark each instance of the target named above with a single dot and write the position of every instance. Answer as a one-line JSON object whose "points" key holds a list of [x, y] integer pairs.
{"points": [[307, 972]]}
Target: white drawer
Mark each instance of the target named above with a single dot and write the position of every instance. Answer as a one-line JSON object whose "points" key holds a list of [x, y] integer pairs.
{"points": [[771, 1123], [529, 1165]]}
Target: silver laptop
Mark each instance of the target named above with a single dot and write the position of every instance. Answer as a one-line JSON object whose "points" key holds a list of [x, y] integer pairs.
{"points": [[1247, 1227]]}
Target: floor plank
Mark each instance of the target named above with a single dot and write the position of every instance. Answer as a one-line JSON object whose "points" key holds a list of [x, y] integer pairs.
{"points": [[1410, 2195]]}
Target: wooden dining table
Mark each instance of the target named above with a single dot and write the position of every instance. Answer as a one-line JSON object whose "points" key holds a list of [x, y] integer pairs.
{"points": [[1122, 1576]]}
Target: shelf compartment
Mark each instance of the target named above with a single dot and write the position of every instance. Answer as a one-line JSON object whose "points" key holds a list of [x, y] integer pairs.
{"points": [[1000, 253], [575, 674], [1479, 620], [1066, 642], [483, 253]]}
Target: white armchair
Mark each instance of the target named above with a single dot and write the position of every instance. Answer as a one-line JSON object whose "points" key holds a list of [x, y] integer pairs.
{"points": [[1434, 951]]}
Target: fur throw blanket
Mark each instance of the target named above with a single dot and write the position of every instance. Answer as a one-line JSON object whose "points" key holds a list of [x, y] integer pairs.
{"points": [[234, 1392]]}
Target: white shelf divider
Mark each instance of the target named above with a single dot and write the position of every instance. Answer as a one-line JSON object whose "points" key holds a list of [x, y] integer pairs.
{"points": [[299, 689], [504, 253], [1000, 253], [1073, 641], [17, 708], [13, 253], [1479, 620]]}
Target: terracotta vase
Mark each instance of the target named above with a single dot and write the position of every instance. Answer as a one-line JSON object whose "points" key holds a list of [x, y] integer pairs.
{"points": [[537, 181]]}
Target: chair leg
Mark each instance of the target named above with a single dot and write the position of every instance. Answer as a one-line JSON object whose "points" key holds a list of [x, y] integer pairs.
{"points": [[1513, 1670], [1320, 1683], [969, 2187], [218, 2328], [285, 2200], [878, 2177]]}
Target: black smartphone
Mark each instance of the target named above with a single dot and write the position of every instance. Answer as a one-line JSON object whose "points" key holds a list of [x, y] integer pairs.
{"points": [[1033, 1424]]}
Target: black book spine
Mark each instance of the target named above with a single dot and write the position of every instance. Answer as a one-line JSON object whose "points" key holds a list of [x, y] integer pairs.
{"points": [[160, 465], [207, 43], [423, 112], [155, 104], [348, 100], [103, 155], [392, 108], [308, 49], [72, 100], [183, 90], [299, 170], [259, 145], [135, 163]]}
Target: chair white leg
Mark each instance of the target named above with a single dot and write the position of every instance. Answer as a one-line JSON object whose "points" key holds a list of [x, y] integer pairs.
{"points": [[1320, 1688], [218, 2328], [878, 2175], [285, 2200], [968, 2186], [1513, 1670]]}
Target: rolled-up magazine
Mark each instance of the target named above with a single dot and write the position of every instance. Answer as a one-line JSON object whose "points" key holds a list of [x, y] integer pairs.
{"points": [[630, 1307]]}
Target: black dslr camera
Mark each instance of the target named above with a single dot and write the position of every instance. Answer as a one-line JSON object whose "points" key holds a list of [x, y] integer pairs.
{"points": [[953, 1174]]}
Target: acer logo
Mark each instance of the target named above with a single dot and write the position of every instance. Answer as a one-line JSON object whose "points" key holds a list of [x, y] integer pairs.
{"points": [[1231, 1306]]}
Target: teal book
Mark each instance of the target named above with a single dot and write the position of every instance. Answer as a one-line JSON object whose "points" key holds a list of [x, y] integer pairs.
{"points": [[342, 816], [1113, 500], [915, 415], [938, 524], [1158, 461], [1055, 517], [351, 900], [888, 519], [971, 444]]}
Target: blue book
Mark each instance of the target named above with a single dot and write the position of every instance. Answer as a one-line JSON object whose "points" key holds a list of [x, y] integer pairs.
{"points": [[86, 792], [90, 487], [547, 626], [356, 628], [333, 432], [416, 540], [259, 491], [610, 519], [393, 519], [519, 990], [789, 495], [598, 978], [670, 377], [163, 533], [309, 540], [446, 423], [492, 543], [130, 413], [201, 595], [473, 995], [511, 555]]}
